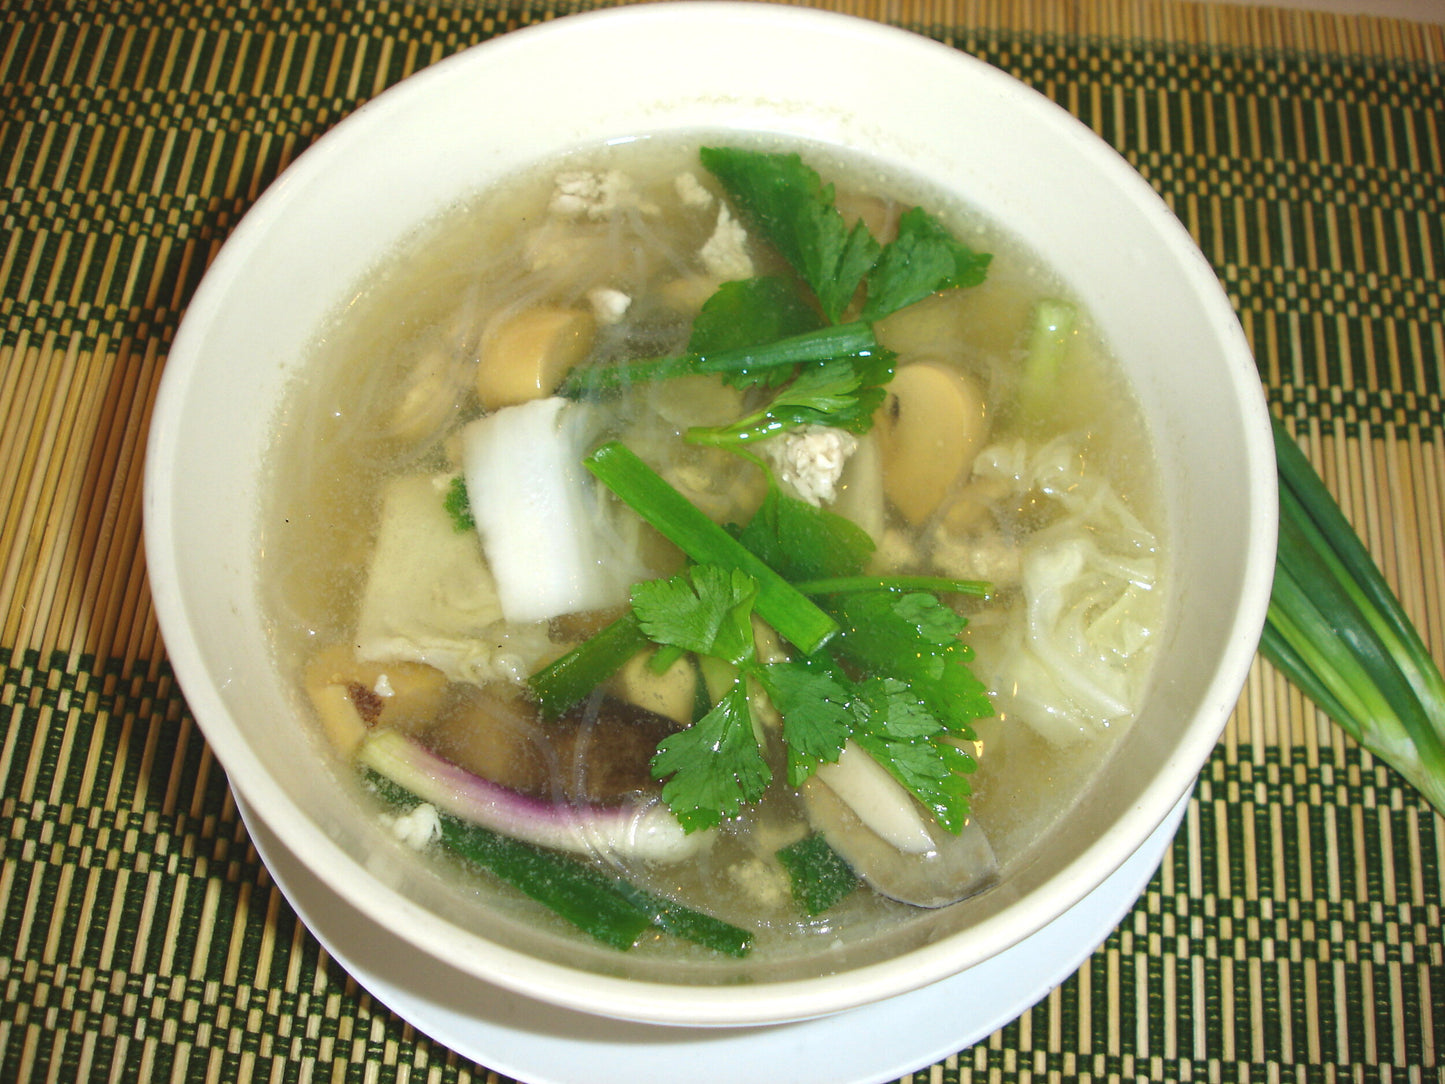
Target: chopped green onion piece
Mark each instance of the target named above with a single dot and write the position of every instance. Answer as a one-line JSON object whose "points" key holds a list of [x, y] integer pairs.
{"points": [[843, 584], [571, 678], [819, 876], [1336, 629], [787, 610]]}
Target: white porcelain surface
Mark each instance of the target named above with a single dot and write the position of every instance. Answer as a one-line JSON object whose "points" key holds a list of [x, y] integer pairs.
{"points": [[542, 1044], [914, 105]]}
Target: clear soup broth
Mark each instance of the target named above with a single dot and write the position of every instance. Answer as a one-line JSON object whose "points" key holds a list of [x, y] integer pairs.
{"points": [[425, 470]]}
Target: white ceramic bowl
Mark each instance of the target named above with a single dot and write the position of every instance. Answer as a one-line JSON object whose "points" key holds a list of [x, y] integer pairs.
{"points": [[912, 104]]}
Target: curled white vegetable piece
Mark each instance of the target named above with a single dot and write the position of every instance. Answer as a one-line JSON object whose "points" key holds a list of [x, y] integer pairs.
{"points": [[549, 542]]}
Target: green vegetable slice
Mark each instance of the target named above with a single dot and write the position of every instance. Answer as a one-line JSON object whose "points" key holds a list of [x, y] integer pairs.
{"points": [[610, 909], [797, 619], [571, 678], [458, 507], [819, 876], [583, 896], [688, 924]]}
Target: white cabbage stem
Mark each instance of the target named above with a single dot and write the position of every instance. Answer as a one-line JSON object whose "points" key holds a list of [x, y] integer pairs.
{"points": [[548, 541]]}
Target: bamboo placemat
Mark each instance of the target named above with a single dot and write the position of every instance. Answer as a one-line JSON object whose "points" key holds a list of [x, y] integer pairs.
{"points": [[1293, 932]]}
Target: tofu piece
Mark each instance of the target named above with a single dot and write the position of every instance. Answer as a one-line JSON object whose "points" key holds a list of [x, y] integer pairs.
{"points": [[429, 596]]}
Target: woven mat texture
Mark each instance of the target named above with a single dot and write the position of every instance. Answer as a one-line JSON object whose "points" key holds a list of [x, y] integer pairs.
{"points": [[1293, 932]]}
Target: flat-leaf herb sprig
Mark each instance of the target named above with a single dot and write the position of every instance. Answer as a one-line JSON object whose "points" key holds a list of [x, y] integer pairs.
{"points": [[878, 662], [888, 671], [791, 336]]}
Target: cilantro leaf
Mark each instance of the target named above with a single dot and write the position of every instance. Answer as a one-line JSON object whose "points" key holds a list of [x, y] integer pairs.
{"points": [[707, 609], [817, 713], [842, 392], [901, 732], [934, 621], [914, 637], [788, 202], [748, 313], [923, 259], [804, 542], [714, 767]]}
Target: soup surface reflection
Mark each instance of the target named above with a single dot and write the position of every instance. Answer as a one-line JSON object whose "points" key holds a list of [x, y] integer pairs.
{"points": [[454, 521]]}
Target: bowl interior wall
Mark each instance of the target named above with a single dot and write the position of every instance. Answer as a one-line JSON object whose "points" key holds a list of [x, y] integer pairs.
{"points": [[452, 129]]}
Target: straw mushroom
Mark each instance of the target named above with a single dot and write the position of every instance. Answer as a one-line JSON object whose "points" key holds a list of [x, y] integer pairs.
{"points": [[526, 355], [929, 429]]}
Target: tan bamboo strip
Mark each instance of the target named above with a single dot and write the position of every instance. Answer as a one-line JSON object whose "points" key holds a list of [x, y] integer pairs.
{"points": [[1429, 477], [93, 511], [36, 433], [61, 481], [1167, 21], [55, 488]]}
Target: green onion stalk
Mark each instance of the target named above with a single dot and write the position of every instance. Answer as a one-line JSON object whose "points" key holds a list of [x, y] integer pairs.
{"points": [[1337, 631]]}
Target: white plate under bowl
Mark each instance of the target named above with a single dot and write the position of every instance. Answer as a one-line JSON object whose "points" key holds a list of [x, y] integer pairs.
{"points": [[911, 105], [539, 1043]]}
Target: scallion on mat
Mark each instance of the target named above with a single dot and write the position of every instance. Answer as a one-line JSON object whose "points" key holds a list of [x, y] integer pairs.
{"points": [[1338, 632]]}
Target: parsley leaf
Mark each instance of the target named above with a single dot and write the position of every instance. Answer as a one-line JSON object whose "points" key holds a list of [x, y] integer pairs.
{"points": [[789, 203], [707, 609], [900, 731], [914, 637], [923, 259], [715, 765], [844, 393], [893, 677], [817, 712], [748, 313], [803, 541]]}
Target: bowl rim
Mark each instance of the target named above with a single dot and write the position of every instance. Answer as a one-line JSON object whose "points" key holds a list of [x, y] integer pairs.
{"points": [[662, 1002]]}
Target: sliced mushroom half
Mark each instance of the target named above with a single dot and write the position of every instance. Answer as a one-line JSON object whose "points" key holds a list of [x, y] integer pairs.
{"points": [[954, 869]]}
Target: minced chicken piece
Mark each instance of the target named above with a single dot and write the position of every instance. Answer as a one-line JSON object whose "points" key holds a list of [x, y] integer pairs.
{"points": [[811, 460], [593, 195], [608, 305], [691, 191], [417, 827], [765, 883], [725, 253]]}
